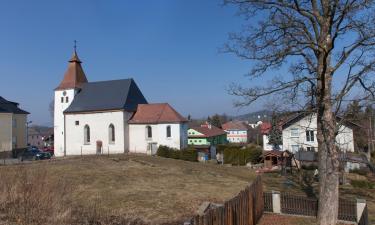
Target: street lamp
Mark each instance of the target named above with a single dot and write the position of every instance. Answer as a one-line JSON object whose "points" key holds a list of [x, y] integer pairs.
{"points": [[27, 132]]}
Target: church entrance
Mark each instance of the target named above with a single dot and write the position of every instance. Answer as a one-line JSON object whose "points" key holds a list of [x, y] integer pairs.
{"points": [[99, 147], [153, 148]]}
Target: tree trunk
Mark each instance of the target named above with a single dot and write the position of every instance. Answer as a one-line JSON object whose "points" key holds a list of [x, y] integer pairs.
{"points": [[327, 152]]}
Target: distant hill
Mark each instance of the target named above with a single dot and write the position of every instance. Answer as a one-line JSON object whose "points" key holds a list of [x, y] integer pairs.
{"points": [[264, 115]]}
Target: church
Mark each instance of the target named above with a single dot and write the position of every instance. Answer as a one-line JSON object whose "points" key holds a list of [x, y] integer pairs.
{"points": [[111, 117]]}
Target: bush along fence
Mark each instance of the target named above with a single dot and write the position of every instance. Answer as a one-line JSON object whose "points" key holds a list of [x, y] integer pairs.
{"points": [[185, 154], [285, 203], [244, 209]]}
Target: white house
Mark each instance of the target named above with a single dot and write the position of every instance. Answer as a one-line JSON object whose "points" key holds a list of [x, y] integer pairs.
{"points": [[237, 131], [93, 117], [299, 132], [156, 124]]}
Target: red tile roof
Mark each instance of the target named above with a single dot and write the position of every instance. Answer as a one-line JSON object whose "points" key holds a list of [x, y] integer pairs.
{"points": [[74, 76], [235, 125], [208, 131], [265, 128], [156, 113]]}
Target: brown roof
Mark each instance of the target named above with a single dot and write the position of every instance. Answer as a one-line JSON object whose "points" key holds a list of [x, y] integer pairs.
{"points": [[74, 76], [235, 125], [208, 131], [156, 113]]}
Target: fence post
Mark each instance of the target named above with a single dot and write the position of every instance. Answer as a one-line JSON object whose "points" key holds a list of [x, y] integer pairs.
{"points": [[276, 202], [361, 204]]}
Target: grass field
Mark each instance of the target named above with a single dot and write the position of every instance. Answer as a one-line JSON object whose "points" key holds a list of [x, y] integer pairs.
{"points": [[156, 190], [135, 188]]}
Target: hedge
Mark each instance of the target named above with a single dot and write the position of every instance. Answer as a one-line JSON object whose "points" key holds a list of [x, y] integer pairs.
{"points": [[188, 154], [238, 156]]}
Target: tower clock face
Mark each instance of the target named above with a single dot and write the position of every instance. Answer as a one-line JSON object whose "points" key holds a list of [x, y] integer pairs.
{"points": [[64, 93]]}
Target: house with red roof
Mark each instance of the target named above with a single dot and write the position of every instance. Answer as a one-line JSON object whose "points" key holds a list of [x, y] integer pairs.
{"points": [[206, 135], [237, 131], [156, 124]]}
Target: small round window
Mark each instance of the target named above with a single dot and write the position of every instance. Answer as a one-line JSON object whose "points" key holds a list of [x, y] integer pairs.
{"points": [[64, 93]]}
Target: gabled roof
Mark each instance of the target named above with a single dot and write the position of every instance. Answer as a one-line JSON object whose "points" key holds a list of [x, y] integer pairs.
{"points": [[156, 113], [235, 125], [107, 95], [208, 131], [10, 107], [74, 76]]}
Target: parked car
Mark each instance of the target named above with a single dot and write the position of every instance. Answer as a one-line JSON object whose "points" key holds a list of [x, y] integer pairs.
{"points": [[49, 149], [34, 154]]}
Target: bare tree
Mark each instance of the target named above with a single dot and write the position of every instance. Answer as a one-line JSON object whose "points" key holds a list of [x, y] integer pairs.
{"points": [[329, 48]]}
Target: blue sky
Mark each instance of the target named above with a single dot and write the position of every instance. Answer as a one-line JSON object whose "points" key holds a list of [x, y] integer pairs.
{"points": [[170, 48]]}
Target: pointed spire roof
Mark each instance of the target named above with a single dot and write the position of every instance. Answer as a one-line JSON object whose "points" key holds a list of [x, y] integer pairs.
{"points": [[74, 76]]}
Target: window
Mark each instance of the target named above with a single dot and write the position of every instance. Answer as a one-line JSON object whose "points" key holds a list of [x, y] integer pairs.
{"points": [[312, 149], [62, 99], [66, 99], [148, 132], [310, 135], [295, 148], [169, 132], [14, 122], [294, 132], [86, 135], [77, 122], [111, 131]]}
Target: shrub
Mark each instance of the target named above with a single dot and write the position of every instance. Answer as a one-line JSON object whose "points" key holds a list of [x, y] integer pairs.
{"points": [[309, 167], [362, 184], [189, 154], [361, 171], [237, 156]]}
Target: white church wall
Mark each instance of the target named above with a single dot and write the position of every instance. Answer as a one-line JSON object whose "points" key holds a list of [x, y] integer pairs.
{"points": [[61, 103], [138, 141], [99, 131]]}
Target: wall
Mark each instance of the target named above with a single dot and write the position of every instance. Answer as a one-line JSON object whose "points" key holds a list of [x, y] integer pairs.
{"points": [[266, 146], [99, 130], [5, 132], [344, 139], [237, 136], [138, 142], [59, 108], [19, 131]]}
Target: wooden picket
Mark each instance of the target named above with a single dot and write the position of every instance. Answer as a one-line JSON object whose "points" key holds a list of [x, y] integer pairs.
{"points": [[244, 209]]}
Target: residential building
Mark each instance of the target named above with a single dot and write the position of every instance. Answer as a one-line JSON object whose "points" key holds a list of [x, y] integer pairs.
{"points": [[299, 133], [237, 131], [206, 134], [12, 126], [40, 137], [93, 117]]}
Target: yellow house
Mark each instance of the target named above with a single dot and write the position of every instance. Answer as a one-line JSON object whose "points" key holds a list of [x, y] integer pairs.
{"points": [[12, 126]]}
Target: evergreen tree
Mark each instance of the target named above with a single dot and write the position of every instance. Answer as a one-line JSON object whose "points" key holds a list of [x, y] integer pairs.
{"points": [[216, 121], [275, 134]]}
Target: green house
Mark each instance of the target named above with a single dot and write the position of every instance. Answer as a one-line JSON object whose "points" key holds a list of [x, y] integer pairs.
{"points": [[207, 135]]}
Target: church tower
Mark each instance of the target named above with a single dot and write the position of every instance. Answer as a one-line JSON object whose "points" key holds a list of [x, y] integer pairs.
{"points": [[74, 78]]}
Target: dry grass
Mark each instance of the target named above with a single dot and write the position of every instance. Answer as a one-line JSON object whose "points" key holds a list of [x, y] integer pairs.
{"points": [[117, 189], [274, 181]]}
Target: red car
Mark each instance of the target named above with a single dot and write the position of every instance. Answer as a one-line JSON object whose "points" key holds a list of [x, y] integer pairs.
{"points": [[49, 149]]}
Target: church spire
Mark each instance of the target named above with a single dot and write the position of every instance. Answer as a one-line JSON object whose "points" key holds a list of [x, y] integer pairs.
{"points": [[74, 76]]}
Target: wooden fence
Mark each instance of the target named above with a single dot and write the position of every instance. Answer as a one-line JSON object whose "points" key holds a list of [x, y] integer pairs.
{"points": [[244, 209], [301, 205]]}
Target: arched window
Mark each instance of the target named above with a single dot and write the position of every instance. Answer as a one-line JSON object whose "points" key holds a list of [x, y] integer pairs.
{"points": [[148, 132], [169, 133], [86, 131], [111, 131]]}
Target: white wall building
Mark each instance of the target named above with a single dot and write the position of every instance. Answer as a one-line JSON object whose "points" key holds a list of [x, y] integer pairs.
{"points": [[300, 133], [93, 117], [157, 124], [237, 131]]}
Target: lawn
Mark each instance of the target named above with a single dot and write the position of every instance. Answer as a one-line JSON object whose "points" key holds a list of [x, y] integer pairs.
{"points": [[153, 189]]}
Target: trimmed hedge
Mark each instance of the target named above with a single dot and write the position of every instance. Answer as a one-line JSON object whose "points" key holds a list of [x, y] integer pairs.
{"points": [[238, 156], [188, 154]]}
